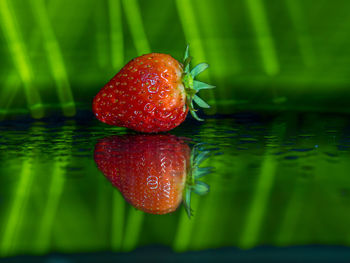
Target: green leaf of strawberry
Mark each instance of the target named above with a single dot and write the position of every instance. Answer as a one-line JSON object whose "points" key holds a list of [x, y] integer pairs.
{"points": [[152, 93], [199, 69]]}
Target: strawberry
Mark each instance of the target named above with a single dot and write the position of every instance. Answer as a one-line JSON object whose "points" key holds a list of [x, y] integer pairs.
{"points": [[152, 172], [152, 93]]}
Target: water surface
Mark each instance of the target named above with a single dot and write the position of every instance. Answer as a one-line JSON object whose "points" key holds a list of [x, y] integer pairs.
{"points": [[279, 180]]}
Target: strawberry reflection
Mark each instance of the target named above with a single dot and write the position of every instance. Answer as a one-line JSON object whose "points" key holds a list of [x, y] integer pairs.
{"points": [[154, 173]]}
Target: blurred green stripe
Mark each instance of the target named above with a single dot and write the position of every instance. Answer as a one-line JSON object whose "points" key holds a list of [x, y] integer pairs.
{"points": [[185, 225], [133, 228], [56, 187], [298, 18], [20, 198], [11, 87], [118, 224], [257, 209], [20, 57], [263, 36], [116, 34], [16, 216], [103, 43], [55, 58], [136, 25]]}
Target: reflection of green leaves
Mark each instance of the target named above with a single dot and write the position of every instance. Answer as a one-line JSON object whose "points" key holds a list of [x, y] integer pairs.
{"points": [[187, 203], [202, 171], [201, 188], [198, 155]]}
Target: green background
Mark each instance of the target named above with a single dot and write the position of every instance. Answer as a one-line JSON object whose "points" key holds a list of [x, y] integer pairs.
{"points": [[281, 174], [264, 54]]}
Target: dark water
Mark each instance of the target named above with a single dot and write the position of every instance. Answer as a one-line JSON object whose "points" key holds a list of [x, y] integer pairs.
{"points": [[280, 180]]}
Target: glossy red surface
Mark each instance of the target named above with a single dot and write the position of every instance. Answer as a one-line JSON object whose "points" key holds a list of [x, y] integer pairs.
{"points": [[149, 170], [146, 95]]}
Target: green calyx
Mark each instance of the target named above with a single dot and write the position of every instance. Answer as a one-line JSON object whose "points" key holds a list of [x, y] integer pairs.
{"points": [[194, 173], [192, 86]]}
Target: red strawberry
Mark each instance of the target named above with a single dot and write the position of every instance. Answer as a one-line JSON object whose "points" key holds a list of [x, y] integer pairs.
{"points": [[151, 171], [152, 93]]}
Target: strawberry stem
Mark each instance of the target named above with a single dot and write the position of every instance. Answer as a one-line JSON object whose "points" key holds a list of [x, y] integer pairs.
{"points": [[192, 87]]}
